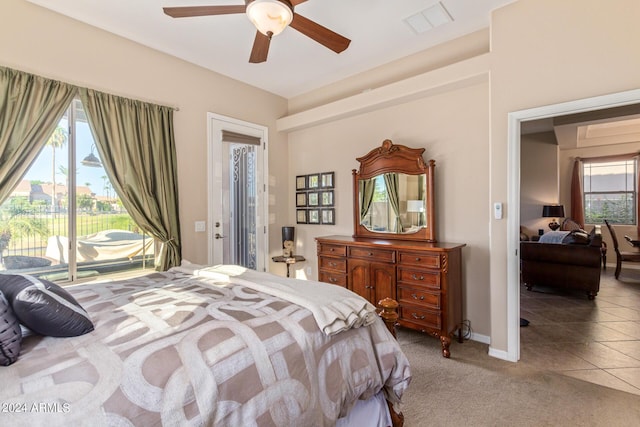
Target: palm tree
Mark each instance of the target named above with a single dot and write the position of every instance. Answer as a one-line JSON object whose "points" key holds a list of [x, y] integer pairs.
{"points": [[57, 140]]}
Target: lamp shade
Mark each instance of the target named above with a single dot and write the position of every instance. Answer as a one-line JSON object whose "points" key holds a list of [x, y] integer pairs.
{"points": [[415, 206], [270, 16], [553, 211]]}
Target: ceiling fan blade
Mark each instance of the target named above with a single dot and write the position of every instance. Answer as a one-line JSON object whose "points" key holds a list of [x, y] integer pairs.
{"points": [[317, 32], [187, 11], [297, 2], [260, 48]]}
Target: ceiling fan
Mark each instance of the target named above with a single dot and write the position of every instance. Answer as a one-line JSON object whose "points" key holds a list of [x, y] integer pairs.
{"points": [[270, 17]]}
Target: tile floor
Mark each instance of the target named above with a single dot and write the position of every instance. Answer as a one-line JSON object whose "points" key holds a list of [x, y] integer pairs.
{"points": [[596, 341]]}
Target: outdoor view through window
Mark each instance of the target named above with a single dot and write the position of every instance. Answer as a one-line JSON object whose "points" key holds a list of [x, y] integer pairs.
{"points": [[36, 219], [610, 192]]}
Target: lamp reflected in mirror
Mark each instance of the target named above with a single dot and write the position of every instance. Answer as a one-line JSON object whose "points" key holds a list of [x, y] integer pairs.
{"points": [[91, 160], [555, 212]]}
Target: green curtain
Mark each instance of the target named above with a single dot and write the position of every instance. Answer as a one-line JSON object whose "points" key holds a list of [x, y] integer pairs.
{"points": [[30, 109], [136, 144], [391, 184], [366, 187]]}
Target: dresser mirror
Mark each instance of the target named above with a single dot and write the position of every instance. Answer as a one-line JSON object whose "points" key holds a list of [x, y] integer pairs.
{"points": [[393, 194]]}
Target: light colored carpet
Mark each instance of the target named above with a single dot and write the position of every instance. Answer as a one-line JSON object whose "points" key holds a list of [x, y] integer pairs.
{"points": [[473, 389]]}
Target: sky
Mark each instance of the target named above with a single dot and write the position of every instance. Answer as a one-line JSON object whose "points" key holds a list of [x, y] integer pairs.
{"points": [[41, 169]]}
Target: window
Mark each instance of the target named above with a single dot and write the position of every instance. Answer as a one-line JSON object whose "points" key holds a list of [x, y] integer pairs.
{"points": [[66, 201], [610, 191]]}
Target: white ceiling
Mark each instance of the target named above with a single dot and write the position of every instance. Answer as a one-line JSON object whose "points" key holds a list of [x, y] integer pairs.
{"points": [[296, 64]]}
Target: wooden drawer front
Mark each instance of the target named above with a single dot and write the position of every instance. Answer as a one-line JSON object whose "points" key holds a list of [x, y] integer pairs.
{"points": [[330, 249], [420, 297], [419, 259], [333, 278], [338, 264], [416, 316], [420, 277], [372, 254]]}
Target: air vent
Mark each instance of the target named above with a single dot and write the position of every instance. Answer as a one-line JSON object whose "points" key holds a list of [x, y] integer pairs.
{"points": [[429, 18]]}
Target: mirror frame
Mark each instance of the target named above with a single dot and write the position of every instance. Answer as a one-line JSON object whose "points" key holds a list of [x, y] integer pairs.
{"points": [[396, 158]]}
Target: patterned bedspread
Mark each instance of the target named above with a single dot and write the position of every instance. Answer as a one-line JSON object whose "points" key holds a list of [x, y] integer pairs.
{"points": [[175, 349]]}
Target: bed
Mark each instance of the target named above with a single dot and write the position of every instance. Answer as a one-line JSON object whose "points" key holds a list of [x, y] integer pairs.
{"points": [[219, 346]]}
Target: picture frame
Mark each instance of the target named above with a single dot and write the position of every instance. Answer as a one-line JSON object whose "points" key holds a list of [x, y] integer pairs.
{"points": [[301, 216], [328, 216], [313, 181], [301, 199], [326, 198], [301, 182], [327, 179], [313, 198], [314, 216]]}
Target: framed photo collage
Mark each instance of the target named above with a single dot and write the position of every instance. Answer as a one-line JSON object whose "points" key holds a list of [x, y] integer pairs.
{"points": [[315, 198]]}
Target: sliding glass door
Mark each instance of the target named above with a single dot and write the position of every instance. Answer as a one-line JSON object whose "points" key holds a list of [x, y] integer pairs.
{"points": [[64, 221]]}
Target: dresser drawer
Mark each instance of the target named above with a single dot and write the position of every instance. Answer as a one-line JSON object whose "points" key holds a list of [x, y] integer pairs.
{"points": [[419, 259], [421, 318], [332, 249], [333, 278], [382, 255], [419, 277], [337, 264], [422, 297]]}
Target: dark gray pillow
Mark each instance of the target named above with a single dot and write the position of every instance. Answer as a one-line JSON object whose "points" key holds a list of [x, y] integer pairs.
{"points": [[10, 334], [44, 307]]}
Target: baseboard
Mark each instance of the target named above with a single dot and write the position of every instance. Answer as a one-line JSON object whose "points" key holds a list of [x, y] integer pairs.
{"points": [[484, 339], [500, 354]]}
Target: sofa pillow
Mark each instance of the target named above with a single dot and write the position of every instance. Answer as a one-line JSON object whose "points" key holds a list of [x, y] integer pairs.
{"points": [[10, 334], [44, 307], [569, 225], [577, 237]]}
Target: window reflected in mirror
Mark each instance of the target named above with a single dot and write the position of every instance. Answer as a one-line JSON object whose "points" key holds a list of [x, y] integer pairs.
{"points": [[393, 203]]}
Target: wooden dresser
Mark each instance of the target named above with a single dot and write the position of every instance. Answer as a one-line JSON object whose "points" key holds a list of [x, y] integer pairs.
{"points": [[425, 278]]}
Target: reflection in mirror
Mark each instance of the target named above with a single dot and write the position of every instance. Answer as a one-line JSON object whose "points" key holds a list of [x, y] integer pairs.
{"points": [[393, 203]]}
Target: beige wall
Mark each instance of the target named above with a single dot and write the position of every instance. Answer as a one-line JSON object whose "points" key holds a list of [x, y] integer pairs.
{"points": [[538, 179], [545, 52], [42, 42], [456, 138], [542, 52]]}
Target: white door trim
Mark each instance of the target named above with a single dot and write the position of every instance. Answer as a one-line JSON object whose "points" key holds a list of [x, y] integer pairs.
{"points": [[215, 124], [513, 196]]}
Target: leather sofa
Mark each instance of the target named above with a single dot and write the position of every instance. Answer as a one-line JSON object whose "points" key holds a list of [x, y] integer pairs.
{"points": [[571, 264]]}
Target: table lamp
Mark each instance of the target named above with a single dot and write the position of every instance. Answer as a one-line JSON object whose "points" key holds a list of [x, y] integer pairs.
{"points": [[553, 211]]}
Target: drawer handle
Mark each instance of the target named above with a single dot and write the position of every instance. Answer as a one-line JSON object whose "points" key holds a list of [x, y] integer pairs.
{"points": [[415, 316], [416, 297], [368, 287], [332, 250], [418, 259], [418, 278], [333, 279], [370, 253], [333, 264]]}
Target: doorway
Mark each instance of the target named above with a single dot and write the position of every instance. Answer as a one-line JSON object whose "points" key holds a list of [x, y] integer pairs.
{"points": [[513, 199], [237, 192]]}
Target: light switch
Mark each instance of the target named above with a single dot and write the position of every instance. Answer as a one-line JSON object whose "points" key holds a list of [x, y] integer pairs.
{"points": [[201, 226]]}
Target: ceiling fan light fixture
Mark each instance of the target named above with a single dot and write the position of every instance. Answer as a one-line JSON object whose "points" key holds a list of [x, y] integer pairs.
{"points": [[270, 17]]}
